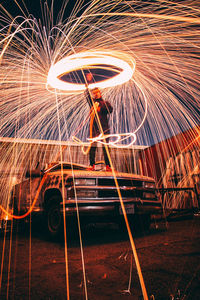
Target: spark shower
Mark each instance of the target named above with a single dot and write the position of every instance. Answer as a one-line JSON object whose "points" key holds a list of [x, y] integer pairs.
{"points": [[162, 38]]}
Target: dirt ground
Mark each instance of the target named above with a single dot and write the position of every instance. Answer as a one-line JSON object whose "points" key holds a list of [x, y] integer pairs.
{"points": [[169, 259]]}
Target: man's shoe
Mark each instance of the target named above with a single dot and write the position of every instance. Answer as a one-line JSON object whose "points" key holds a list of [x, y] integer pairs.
{"points": [[91, 168], [108, 169]]}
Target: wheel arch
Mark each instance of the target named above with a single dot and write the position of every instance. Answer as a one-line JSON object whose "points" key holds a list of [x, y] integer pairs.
{"points": [[49, 194]]}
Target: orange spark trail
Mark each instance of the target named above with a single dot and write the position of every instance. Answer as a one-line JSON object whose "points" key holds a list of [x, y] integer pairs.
{"points": [[32, 206]]}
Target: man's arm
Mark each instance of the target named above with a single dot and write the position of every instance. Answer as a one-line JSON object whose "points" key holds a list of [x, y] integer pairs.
{"points": [[107, 107], [88, 97]]}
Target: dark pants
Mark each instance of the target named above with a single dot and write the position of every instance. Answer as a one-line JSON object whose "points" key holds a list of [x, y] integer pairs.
{"points": [[93, 152]]}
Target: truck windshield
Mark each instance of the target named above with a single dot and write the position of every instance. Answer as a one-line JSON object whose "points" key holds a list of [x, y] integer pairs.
{"points": [[67, 166]]}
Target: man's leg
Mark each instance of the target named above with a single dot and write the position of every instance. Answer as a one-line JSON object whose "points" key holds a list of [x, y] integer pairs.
{"points": [[107, 162], [92, 154]]}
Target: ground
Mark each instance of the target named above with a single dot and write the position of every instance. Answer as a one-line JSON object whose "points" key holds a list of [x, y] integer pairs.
{"points": [[169, 259]]}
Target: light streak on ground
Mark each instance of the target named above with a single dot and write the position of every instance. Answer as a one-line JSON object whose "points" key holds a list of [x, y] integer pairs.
{"points": [[162, 38]]}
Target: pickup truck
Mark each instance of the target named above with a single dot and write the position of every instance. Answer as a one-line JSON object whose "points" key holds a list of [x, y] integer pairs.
{"points": [[65, 191]]}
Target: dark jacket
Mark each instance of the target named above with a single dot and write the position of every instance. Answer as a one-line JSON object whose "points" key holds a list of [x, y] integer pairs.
{"points": [[103, 110]]}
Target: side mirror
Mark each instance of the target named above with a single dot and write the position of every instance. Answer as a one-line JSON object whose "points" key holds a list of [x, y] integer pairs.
{"points": [[34, 174]]}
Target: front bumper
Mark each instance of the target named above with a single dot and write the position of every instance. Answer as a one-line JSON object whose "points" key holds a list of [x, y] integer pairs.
{"points": [[112, 209]]}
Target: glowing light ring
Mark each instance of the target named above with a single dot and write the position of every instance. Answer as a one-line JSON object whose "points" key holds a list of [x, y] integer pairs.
{"points": [[118, 138], [101, 139], [90, 60]]}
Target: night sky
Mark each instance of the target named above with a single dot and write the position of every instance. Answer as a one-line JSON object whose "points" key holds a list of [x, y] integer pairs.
{"points": [[34, 7]]}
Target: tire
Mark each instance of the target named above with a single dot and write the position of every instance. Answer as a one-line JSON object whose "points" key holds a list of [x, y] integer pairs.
{"points": [[146, 222], [138, 223], [142, 222], [53, 218]]}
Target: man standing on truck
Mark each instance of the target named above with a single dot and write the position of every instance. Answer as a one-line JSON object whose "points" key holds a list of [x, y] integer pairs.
{"points": [[99, 125]]}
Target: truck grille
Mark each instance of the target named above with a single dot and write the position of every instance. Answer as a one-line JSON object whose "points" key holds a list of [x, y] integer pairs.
{"points": [[105, 188], [121, 182], [114, 194]]}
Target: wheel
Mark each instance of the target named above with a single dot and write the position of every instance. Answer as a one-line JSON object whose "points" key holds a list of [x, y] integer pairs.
{"points": [[137, 223], [54, 220], [143, 222]]}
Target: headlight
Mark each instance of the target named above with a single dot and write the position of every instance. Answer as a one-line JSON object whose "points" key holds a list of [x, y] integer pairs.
{"points": [[81, 193], [85, 181], [148, 195], [86, 194], [149, 185]]}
